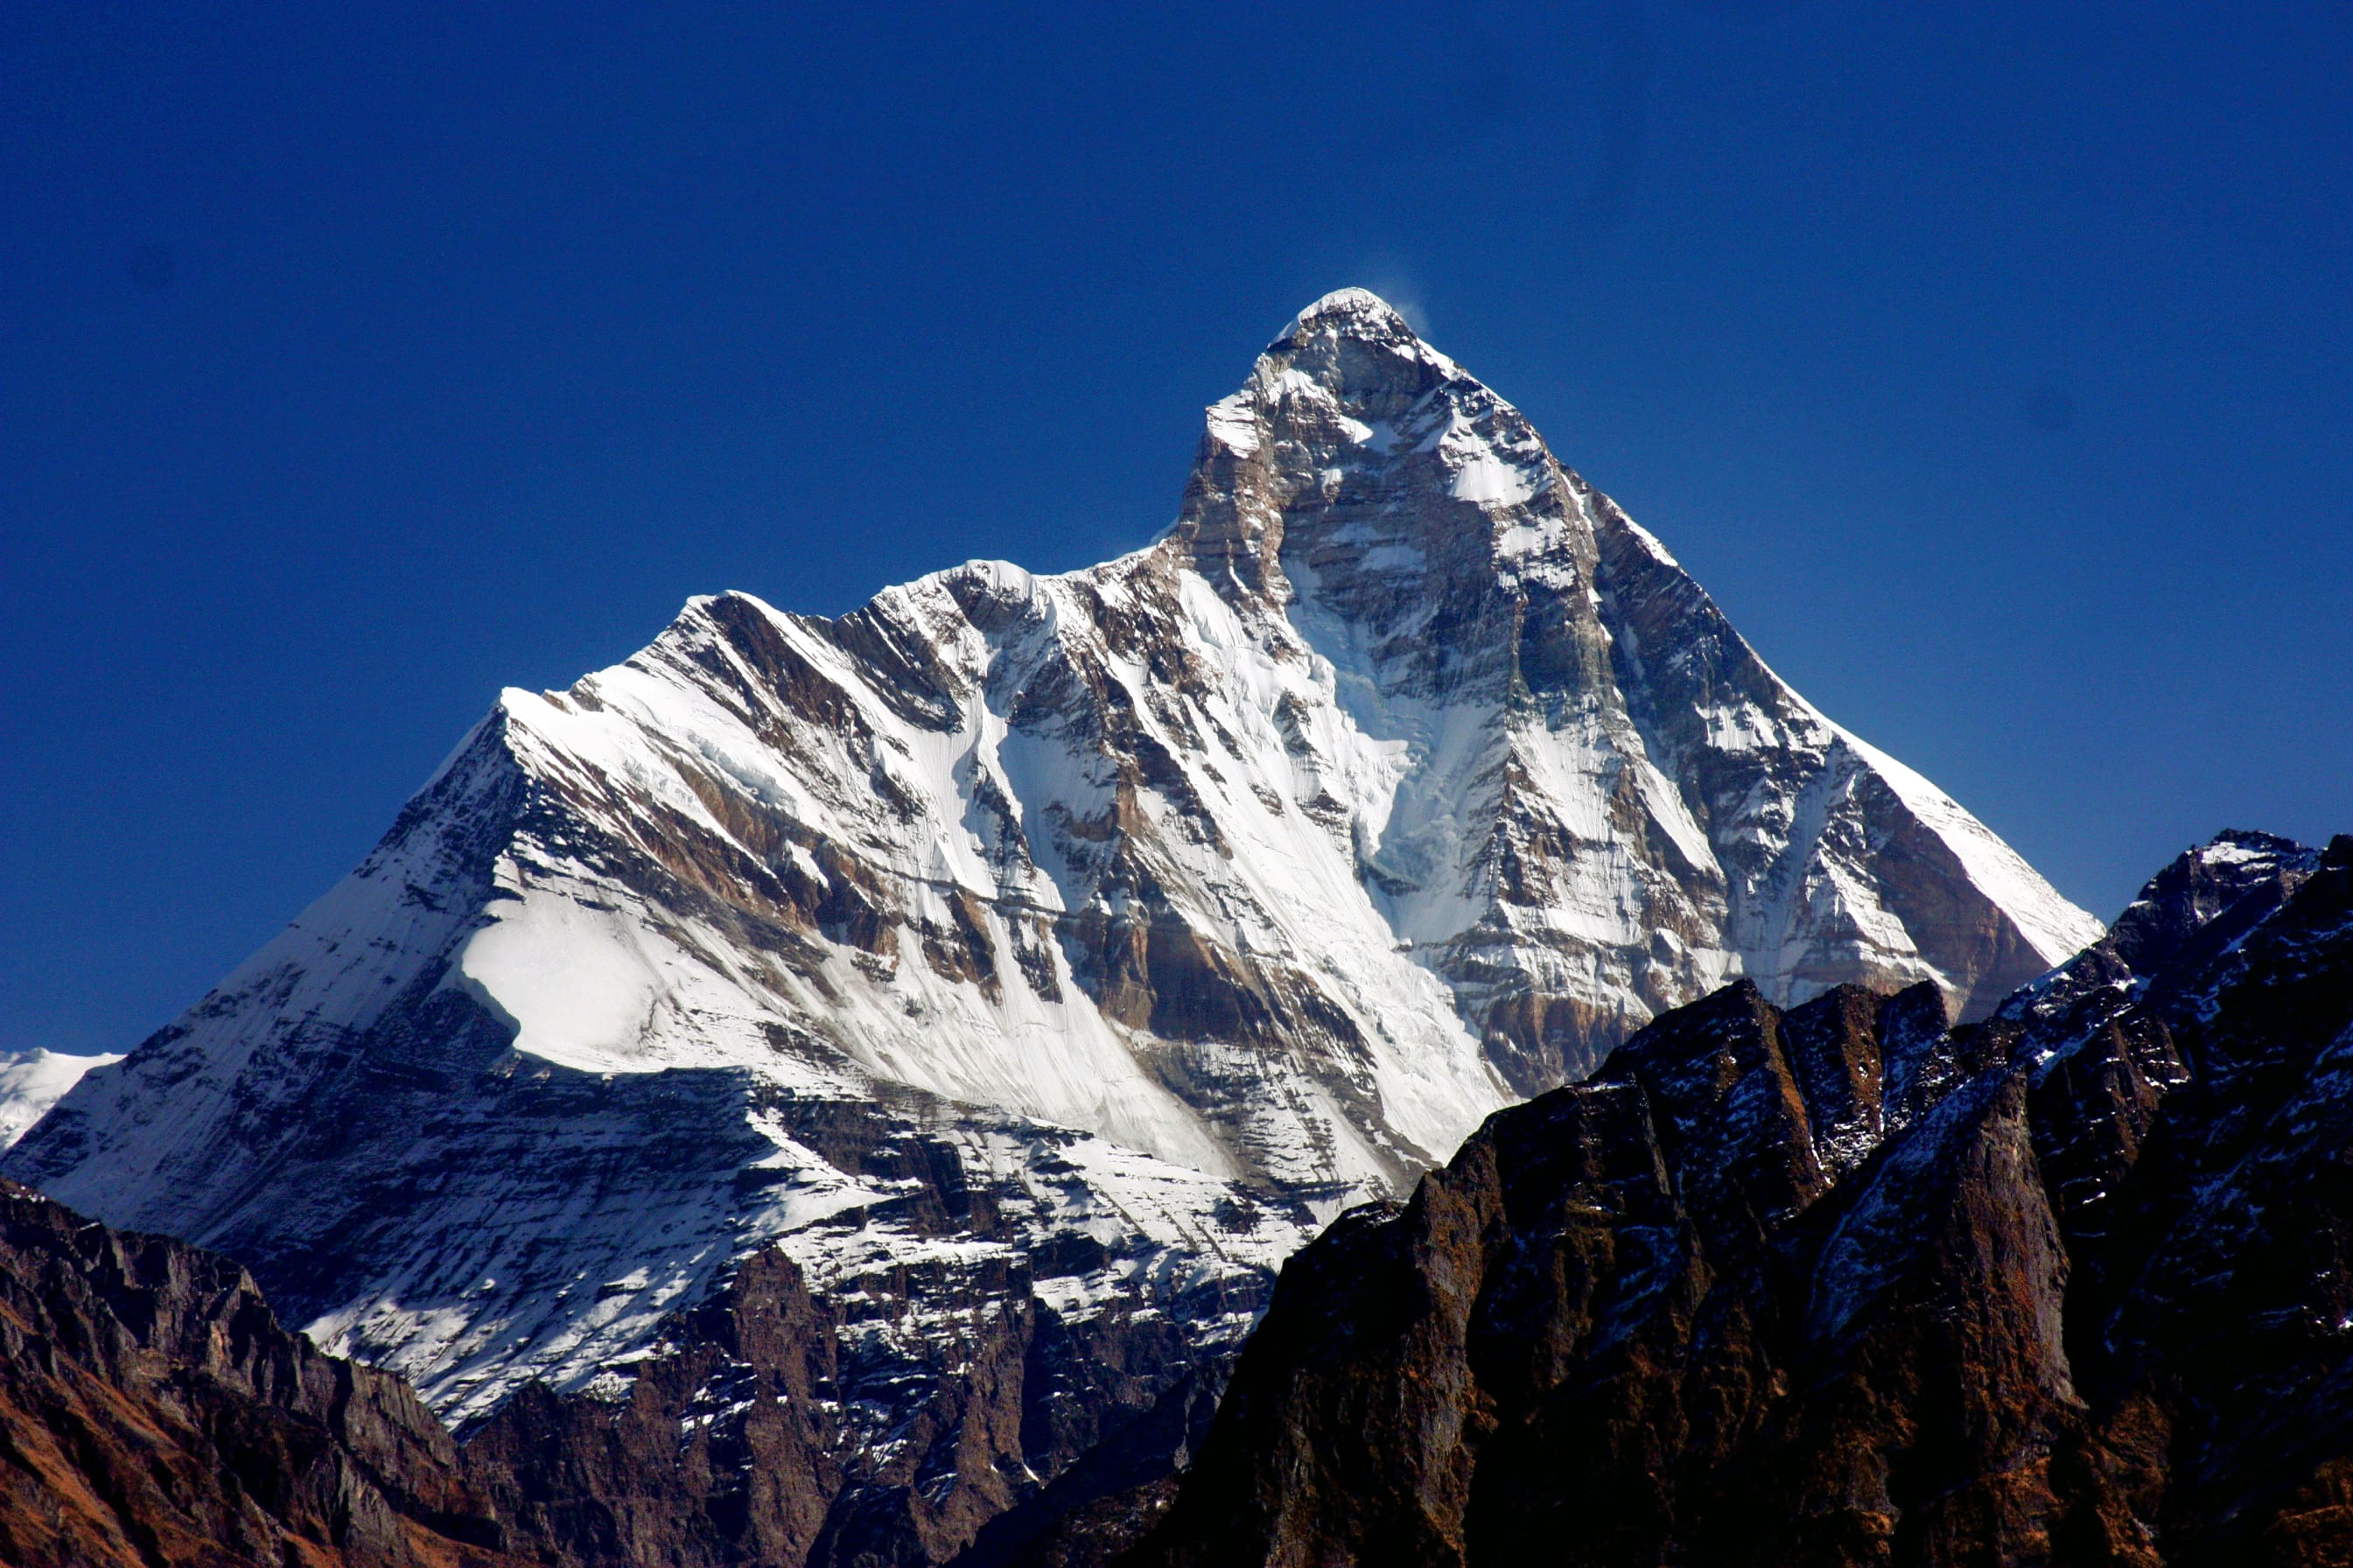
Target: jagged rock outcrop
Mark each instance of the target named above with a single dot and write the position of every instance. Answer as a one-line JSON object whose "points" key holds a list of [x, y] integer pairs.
{"points": [[153, 1412], [1043, 957], [2087, 1302], [781, 1427]]}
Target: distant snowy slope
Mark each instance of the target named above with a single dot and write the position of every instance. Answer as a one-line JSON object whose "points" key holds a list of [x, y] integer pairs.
{"points": [[31, 1081]]}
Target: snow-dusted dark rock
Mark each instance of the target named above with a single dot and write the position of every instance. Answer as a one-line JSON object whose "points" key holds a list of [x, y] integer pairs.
{"points": [[1067, 946]]}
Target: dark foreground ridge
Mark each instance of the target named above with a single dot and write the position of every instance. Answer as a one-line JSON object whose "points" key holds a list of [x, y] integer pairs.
{"points": [[153, 1412], [1827, 1287]]}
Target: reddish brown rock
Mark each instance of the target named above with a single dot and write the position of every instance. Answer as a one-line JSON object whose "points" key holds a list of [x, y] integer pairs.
{"points": [[153, 1412]]}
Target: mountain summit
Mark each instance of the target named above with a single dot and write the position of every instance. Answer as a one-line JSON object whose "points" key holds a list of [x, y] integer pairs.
{"points": [[1599, 802], [1045, 953]]}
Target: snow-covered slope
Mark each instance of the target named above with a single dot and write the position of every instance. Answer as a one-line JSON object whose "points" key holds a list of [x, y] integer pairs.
{"points": [[31, 1081], [1168, 905]]}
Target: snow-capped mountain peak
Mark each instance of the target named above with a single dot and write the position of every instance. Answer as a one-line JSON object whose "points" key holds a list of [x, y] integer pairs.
{"points": [[1361, 309], [1170, 904]]}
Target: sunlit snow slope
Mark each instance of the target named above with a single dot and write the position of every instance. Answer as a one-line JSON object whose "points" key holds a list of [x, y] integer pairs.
{"points": [[32, 1081], [1177, 901]]}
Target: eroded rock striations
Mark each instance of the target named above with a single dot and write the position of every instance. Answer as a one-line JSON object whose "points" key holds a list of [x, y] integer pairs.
{"points": [[1834, 1285], [153, 1412], [1032, 962]]}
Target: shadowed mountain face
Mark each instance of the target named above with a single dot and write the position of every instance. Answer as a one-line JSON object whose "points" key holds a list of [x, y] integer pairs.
{"points": [[1034, 962], [1834, 1285]]}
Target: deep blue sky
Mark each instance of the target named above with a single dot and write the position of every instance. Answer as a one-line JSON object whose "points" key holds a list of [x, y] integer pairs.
{"points": [[1992, 364]]}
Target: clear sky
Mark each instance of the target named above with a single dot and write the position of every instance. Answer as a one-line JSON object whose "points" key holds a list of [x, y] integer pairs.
{"points": [[1992, 363]]}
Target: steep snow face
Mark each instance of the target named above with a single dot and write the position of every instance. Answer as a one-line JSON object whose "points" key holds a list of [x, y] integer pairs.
{"points": [[1060, 859], [1240, 877]]}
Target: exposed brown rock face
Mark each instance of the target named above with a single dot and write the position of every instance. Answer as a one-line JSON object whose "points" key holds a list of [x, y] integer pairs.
{"points": [[720, 1453], [153, 1412], [2074, 1285], [753, 1440]]}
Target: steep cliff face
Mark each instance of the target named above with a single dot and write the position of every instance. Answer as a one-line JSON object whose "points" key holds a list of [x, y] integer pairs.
{"points": [[1055, 953], [884, 1422], [153, 1412], [2085, 1300]]}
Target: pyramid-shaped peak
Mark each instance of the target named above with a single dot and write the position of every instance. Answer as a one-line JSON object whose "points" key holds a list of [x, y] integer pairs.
{"points": [[1351, 312], [1360, 349]]}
